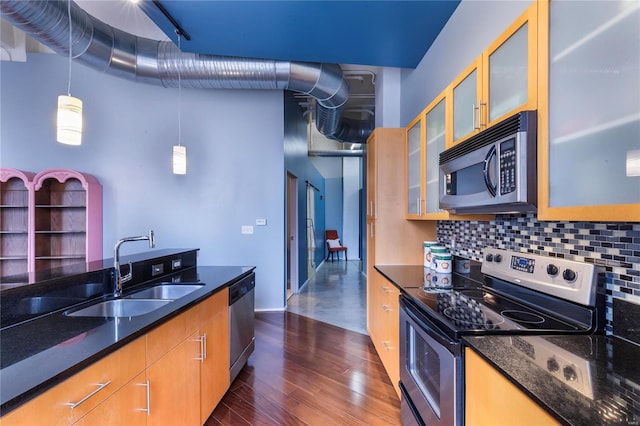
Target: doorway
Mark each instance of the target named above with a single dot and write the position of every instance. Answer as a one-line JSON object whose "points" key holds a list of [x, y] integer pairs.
{"points": [[292, 235]]}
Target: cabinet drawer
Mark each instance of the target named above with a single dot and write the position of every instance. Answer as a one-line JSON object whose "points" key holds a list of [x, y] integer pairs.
{"points": [[75, 397]]}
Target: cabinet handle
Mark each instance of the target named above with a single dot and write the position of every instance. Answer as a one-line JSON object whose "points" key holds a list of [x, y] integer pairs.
{"points": [[148, 386], [386, 308], [386, 346], [204, 346], [202, 340], [475, 112], [371, 208], [385, 289], [482, 104], [371, 231], [101, 386]]}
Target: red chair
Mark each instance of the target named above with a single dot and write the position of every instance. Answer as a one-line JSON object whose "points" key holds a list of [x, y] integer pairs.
{"points": [[334, 245]]}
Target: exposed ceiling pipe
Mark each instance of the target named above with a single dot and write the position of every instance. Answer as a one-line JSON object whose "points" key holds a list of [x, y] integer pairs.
{"points": [[113, 51]]}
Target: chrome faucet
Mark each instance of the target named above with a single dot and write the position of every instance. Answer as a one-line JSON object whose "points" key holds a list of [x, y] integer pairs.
{"points": [[118, 278]]}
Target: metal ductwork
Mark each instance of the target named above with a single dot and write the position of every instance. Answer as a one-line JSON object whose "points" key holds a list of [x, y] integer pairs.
{"points": [[108, 49]]}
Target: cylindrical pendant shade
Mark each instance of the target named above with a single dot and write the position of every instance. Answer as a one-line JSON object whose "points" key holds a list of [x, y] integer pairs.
{"points": [[69, 120], [179, 160]]}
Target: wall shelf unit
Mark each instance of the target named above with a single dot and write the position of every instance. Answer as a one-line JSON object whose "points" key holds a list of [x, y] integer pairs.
{"points": [[48, 220]]}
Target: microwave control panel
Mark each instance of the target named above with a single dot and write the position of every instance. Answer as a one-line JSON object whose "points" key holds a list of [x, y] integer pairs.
{"points": [[508, 166]]}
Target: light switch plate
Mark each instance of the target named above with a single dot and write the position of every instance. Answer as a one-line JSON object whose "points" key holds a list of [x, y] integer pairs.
{"points": [[247, 229]]}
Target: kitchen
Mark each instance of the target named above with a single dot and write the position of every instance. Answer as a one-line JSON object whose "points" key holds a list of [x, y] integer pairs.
{"points": [[125, 145]]}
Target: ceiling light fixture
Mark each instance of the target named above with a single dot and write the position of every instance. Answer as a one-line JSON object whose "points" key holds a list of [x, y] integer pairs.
{"points": [[69, 122], [179, 151]]}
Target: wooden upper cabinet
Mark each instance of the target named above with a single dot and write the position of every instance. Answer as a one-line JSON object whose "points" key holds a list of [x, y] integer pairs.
{"points": [[589, 115], [500, 82], [414, 145]]}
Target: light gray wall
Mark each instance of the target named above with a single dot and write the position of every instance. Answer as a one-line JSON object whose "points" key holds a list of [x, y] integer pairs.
{"points": [[351, 185], [234, 141], [473, 26]]}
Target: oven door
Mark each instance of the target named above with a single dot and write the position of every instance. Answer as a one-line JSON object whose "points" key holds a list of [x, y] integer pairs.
{"points": [[430, 371]]}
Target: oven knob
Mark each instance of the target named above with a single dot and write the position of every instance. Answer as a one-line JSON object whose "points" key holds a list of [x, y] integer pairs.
{"points": [[489, 257], [498, 258], [569, 275], [552, 365], [552, 269], [570, 373]]}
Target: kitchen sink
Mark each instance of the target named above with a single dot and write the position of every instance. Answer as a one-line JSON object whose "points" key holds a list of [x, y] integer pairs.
{"points": [[165, 291], [120, 308]]}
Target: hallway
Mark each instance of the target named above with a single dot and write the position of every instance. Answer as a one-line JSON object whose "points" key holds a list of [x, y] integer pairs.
{"points": [[336, 295]]}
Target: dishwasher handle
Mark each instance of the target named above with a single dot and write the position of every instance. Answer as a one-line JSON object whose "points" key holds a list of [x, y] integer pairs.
{"points": [[241, 288]]}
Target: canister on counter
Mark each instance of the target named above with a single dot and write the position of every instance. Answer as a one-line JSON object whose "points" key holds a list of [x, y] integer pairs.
{"points": [[426, 245], [438, 282], [442, 263], [437, 250], [462, 266]]}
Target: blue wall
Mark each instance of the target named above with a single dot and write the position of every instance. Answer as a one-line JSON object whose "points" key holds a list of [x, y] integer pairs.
{"points": [[297, 163], [234, 140]]}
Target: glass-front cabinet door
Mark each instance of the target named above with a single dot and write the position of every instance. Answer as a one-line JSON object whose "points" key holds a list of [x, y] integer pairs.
{"points": [[590, 135], [501, 82], [466, 103], [435, 141], [414, 200], [508, 65]]}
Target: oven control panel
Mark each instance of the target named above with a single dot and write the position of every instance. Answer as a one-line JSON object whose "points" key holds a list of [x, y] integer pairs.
{"points": [[564, 278]]}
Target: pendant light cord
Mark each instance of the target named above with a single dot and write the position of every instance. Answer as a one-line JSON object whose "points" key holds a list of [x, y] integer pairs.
{"points": [[70, 53], [179, 93]]}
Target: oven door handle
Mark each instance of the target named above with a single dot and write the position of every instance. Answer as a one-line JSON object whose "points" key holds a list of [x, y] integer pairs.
{"points": [[429, 327]]}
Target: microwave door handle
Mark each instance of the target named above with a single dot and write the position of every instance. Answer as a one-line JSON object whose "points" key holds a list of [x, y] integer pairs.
{"points": [[487, 179]]}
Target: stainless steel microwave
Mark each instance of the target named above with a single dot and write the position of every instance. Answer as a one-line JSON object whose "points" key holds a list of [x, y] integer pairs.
{"points": [[494, 171]]}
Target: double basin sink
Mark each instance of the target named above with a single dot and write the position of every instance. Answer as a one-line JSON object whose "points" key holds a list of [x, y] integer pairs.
{"points": [[138, 303]]}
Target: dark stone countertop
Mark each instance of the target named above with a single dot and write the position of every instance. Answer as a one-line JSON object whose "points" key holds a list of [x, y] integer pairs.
{"points": [[605, 391], [40, 353], [610, 365]]}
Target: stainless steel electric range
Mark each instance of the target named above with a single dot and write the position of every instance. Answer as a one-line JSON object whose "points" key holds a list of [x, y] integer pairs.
{"points": [[513, 293]]}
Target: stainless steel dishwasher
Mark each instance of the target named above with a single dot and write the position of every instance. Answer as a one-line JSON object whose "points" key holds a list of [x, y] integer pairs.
{"points": [[241, 324]]}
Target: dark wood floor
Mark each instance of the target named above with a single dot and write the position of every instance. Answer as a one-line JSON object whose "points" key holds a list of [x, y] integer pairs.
{"points": [[306, 372]]}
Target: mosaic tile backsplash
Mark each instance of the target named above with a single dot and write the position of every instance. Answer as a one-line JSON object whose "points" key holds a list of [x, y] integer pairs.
{"points": [[614, 246]]}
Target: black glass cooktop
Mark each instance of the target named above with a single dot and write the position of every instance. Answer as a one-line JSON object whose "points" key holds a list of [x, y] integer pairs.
{"points": [[480, 311]]}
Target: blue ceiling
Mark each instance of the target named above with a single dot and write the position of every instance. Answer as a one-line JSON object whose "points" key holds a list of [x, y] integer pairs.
{"points": [[375, 33]]}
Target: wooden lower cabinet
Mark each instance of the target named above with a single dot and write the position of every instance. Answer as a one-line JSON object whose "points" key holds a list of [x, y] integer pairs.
{"points": [[174, 391], [491, 399], [214, 369], [174, 375], [383, 320], [127, 406], [69, 401]]}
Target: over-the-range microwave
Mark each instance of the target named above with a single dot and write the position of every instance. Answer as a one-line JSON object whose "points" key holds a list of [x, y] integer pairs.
{"points": [[494, 171]]}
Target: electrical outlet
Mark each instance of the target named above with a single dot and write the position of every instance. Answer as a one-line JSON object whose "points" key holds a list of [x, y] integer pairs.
{"points": [[261, 222], [247, 229]]}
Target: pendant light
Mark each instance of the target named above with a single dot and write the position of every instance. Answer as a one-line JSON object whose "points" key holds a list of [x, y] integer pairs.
{"points": [[179, 151], [69, 122]]}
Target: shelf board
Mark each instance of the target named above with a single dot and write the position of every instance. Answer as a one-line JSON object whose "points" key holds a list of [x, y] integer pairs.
{"points": [[11, 232], [58, 206], [61, 257], [13, 206], [13, 257], [60, 232]]}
